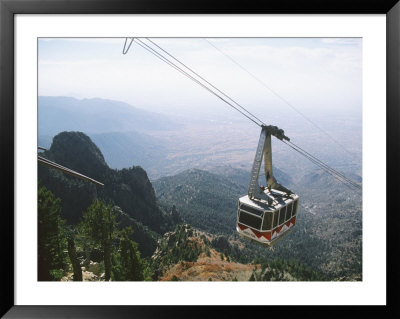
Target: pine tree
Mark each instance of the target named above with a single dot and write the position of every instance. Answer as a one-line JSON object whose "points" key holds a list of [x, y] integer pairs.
{"points": [[130, 266], [50, 236], [73, 257], [99, 224]]}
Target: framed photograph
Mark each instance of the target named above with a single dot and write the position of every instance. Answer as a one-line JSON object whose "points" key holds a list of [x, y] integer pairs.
{"points": [[146, 117]]}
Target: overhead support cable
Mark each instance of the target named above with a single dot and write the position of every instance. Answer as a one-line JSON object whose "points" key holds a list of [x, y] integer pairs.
{"points": [[126, 49], [59, 167], [340, 177], [279, 96], [176, 67], [325, 165], [248, 112], [195, 77], [163, 58]]}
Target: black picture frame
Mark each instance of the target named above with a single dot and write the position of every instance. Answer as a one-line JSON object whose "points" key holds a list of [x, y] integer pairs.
{"points": [[8, 8]]}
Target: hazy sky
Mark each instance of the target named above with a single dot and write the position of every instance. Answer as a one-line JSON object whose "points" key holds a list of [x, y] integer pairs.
{"points": [[312, 74]]}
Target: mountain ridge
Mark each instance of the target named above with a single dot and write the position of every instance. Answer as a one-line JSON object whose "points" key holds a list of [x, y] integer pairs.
{"points": [[61, 113], [129, 189]]}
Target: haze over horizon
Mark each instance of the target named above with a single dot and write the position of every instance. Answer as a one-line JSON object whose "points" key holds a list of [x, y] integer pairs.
{"points": [[315, 75]]}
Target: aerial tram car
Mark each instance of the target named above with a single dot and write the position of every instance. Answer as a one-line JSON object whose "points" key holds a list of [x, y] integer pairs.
{"points": [[266, 214]]}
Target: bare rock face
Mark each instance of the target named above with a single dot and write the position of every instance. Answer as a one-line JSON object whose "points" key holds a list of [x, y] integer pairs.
{"points": [[77, 151]]}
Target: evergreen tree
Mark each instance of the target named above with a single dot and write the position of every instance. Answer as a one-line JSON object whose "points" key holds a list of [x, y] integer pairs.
{"points": [[73, 256], [51, 239], [128, 264], [99, 223]]}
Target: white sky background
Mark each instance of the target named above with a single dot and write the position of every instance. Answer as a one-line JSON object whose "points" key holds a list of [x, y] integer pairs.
{"points": [[312, 74]]}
